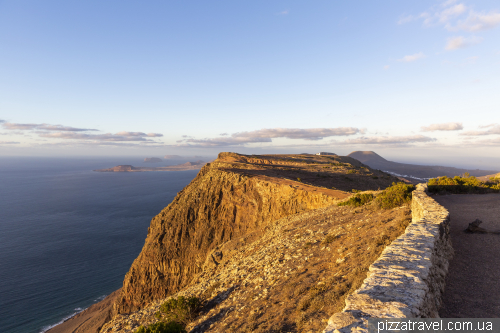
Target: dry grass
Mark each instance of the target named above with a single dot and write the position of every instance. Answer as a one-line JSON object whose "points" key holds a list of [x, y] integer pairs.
{"points": [[308, 294]]}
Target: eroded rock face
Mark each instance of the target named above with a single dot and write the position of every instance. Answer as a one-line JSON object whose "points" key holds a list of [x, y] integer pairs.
{"points": [[223, 202]]}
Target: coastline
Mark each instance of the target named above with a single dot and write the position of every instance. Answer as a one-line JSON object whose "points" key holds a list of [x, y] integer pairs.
{"points": [[89, 320]]}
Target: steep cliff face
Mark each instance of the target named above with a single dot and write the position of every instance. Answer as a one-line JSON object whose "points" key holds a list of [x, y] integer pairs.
{"points": [[233, 196]]}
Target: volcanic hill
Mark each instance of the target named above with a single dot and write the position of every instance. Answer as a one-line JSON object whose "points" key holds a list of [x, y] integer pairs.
{"points": [[376, 161]]}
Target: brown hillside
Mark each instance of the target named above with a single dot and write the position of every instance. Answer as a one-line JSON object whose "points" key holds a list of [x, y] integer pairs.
{"points": [[232, 197], [289, 276]]}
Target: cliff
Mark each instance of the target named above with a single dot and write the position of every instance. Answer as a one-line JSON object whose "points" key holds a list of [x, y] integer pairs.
{"points": [[234, 196]]}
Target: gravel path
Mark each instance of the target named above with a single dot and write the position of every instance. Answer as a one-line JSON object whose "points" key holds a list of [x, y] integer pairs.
{"points": [[473, 281]]}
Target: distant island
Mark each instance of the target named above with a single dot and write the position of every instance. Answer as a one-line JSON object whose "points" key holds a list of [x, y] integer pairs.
{"points": [[152, 160], [179, 167]]}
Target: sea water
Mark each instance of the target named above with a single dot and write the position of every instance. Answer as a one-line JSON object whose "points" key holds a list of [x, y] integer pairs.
{"points": [[68, 234]]}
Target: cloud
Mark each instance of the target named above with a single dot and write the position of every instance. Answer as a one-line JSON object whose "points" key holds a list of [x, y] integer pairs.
{"points": [[45, 127], [285, 12], [406, 19], [298, 133], [386, 67], [8, 143], [460, 42], [438, 14], [443, 127], [492, 129], [11, 126], [487, 126], [97, 137], [138, 134], [266, 135], [451, 12], [453, 17], [2, 121], [481, 143], [388, 140], [220, 142], [478, 22], [413, 57]]}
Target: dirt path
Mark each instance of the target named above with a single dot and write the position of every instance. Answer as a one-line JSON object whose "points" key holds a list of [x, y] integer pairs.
{"points": [[473, 282]]}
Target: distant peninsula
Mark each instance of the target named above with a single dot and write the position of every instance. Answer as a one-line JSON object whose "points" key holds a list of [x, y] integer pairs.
{"points": [[179, 167]]}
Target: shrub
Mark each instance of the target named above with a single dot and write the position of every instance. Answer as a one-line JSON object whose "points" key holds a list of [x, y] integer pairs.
{"points": [[395, 196], [299, 180], [181, 309], [329, 238], [351, 171], [162, 327], [357, 200], [461, 184]]}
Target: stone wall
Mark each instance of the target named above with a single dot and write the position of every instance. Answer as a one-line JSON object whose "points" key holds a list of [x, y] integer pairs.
{"points": [[408, 279]]}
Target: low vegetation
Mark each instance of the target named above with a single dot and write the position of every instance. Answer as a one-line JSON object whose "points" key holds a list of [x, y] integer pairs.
{"points": [[174, 315], [357, 200], [394, 196], [463, 184]]}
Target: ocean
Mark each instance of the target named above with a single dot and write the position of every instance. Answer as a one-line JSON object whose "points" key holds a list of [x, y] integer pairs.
{"points": [[68, 235]]}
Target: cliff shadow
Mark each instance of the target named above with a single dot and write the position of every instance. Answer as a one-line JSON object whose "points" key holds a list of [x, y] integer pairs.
{"points": [[210, 305]]}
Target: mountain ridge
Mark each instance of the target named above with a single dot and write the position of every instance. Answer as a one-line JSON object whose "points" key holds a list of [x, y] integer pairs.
{"points": [[376, 161]]}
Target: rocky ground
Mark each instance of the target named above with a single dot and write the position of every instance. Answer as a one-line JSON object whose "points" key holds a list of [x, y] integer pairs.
{"points": [[289, 276]]}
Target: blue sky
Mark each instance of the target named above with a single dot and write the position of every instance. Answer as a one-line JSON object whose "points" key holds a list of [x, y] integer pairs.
{"points": [[411, 80]]}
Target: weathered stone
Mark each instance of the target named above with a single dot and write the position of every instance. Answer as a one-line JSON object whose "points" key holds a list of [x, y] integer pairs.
{"points": [[408, 279]]}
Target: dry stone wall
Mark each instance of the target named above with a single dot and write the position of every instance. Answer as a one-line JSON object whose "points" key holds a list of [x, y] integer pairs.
{"points": [[408, 279]]}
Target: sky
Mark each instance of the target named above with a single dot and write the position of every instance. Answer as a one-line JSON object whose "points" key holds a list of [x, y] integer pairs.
{"points": [[410, 80]]}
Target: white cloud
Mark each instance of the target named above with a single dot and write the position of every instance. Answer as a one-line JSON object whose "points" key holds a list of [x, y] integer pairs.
{"points": [[299, 133], [77, 135], [386, 67], [478, 22], [45, 127], [389, 140], [413, 57], [455, 16], [461, 42], [451, 12], [8, 143], [266, 135], [285, 12], [11, 126], [487, 126], [482, 143], [96, 137], [443, 127], [406, 19], [138, 134], [492, 129]]}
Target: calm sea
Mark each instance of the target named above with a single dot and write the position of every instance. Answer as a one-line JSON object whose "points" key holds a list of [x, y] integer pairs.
{"points": [[68, 235]]}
